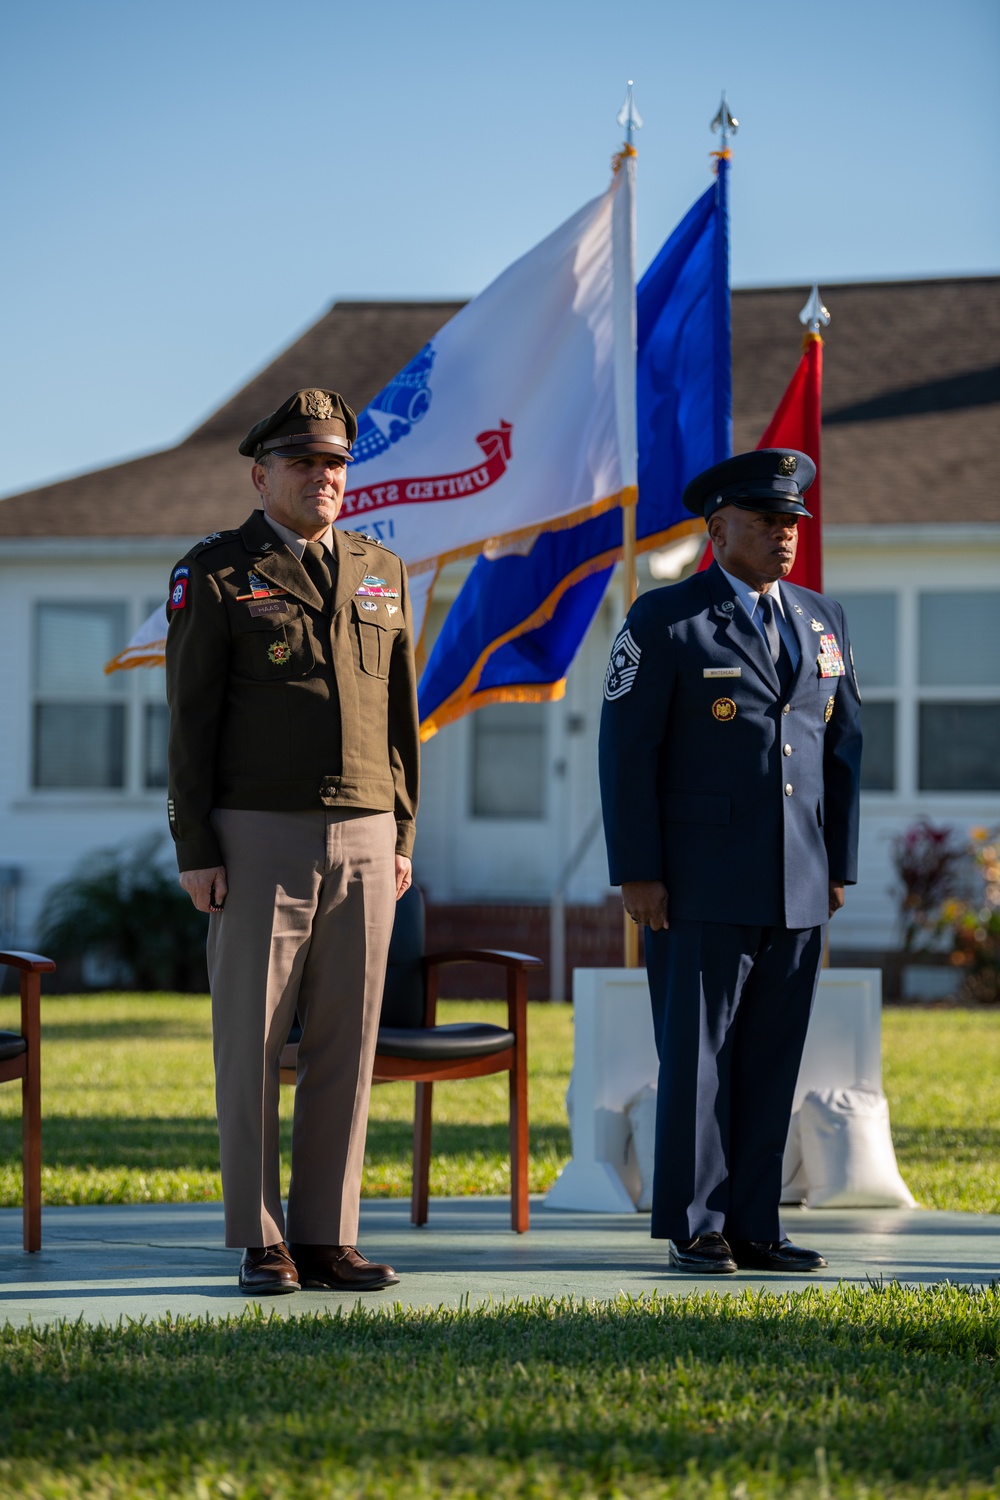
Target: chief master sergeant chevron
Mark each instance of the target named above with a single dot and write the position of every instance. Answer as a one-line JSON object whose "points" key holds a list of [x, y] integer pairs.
{"points": [[293, 767], [730, 763]]}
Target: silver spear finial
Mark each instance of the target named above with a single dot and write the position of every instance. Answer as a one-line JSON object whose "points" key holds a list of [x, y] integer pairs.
{"points": [[725, 122], [814, 313], [629, 116]]}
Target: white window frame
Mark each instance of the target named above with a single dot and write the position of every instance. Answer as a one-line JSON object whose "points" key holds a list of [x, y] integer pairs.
{"points": [[132, 698]]}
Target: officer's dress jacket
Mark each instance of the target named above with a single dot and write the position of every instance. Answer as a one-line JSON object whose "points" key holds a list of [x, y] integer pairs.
{"points": [[279, 701], [744, 802]]}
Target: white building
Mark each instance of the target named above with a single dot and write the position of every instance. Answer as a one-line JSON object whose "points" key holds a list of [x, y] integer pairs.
{"points": [[912, 546]]}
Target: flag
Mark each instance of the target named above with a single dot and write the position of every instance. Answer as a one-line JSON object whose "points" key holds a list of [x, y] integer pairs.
{"points": [[519, 619], [148, 646], [518, 414], [796, 424]]}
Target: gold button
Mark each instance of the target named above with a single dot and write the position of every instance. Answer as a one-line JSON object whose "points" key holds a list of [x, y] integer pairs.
{"points": [[787, 750], [788, 789]]}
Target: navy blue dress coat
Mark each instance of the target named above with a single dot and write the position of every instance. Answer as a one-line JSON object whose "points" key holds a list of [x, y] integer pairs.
{"points": [[743, 801]]}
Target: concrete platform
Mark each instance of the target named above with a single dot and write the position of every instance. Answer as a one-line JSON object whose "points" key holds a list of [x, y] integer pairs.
{"points": [[106, 1263]]}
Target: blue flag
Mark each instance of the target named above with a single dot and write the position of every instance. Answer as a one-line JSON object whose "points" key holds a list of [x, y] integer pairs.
{"points": [[518, 621]]}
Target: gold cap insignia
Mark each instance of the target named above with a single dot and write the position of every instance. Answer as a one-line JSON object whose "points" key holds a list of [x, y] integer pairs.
{"points": [[828, 711], [317, 404], [788, 464], [723, 709]]}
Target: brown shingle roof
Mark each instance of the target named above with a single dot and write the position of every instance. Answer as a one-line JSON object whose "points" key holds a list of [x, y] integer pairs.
{"points": [[911, 394], [911, 400]]}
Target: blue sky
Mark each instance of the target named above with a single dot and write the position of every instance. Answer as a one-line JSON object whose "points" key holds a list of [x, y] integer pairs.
{"points": [[188, 186]]}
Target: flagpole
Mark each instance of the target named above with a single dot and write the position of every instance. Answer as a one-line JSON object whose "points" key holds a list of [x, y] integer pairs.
{"points": [[815, 316], [629, 117]]}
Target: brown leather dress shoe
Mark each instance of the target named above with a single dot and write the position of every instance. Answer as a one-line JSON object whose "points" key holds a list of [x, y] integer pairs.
{"points": [[340, 1268], [268, 1268]]}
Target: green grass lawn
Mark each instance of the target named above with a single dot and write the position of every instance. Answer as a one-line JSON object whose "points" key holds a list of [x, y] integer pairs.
{"points": [[129, 1112], [873, 1393], [886, 1393]]}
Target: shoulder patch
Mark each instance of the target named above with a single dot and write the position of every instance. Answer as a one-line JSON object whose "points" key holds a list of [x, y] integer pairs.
{"points": [[623, 666]]}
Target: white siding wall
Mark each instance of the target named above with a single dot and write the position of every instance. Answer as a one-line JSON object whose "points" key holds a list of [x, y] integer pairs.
{"points": [[459, 857], [45, 833]]}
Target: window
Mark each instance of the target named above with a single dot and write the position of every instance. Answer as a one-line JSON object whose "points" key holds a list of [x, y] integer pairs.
{"points": [[958, 674], [90, 731], [79, 713], [508, 761], [928, 666], [872, 620], [152, 686]]}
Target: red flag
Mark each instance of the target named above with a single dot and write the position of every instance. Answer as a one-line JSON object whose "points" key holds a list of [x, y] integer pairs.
{"points": [[796, 424]]}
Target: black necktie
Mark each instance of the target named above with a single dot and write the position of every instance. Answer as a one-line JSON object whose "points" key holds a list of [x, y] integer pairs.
{"points": [[315, 563], [775, 645]]}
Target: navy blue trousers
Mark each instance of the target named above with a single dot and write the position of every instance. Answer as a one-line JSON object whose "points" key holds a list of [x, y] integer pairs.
{"points": [[730, 1010]]}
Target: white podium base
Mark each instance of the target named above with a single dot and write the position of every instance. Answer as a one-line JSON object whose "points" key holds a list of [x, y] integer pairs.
{"points": [[590, 1187]]}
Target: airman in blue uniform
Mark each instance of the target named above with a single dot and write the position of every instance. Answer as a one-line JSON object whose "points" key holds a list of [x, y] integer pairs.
{"points": [[730, 768]]}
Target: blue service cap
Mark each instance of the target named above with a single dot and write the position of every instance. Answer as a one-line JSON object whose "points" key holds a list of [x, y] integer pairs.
{"points": [[771, 479]]}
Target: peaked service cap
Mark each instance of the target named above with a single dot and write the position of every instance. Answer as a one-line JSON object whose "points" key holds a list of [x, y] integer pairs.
{"points": [[771, 479], [310, 421]]}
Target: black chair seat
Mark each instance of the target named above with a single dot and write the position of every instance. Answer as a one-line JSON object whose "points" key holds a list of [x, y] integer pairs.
{"points": [[442, 1043], [12, 1044]]}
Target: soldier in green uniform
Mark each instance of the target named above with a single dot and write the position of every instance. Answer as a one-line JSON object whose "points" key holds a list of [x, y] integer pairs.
{"points": [[293, 771]]}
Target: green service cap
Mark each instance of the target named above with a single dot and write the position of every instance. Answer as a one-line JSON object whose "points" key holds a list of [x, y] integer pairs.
{"points": [[311, 421]]}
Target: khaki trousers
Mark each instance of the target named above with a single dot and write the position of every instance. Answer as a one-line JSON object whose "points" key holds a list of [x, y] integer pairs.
{"points": [[306, 927]]}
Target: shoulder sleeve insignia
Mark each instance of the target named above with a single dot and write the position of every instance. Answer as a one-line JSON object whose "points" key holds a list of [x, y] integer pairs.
{"points": [[623, 665]]}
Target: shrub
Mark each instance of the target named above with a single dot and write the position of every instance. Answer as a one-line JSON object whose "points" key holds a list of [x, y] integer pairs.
{"points": [[122, 906], [928, 866], [973, 922]]}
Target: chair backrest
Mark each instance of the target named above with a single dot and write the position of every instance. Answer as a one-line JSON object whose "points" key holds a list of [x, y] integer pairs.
{"points": [[403, 997]]}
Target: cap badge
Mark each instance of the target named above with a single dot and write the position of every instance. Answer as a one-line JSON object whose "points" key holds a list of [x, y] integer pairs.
{"points": [[317, 404], [788, 464], [723, 709]]}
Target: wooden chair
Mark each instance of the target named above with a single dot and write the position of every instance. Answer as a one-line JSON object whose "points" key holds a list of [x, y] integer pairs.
{"points": [[20, 1058], [414, 1048]]}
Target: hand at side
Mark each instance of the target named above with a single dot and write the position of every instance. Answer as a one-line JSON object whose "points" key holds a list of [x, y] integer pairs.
{"points": [[646, 902], [207, 888]]}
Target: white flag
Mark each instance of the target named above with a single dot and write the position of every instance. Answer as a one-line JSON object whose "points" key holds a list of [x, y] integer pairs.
{"points": [[520, 412]]}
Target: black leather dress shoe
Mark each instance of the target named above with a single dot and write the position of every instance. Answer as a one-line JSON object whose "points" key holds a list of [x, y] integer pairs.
{"points": [[705, 1253], [268, 1268], [340, 1268], [775, 1255]]}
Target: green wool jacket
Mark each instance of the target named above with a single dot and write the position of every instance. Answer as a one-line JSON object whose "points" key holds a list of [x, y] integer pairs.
{"points": [[281, 701]]}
